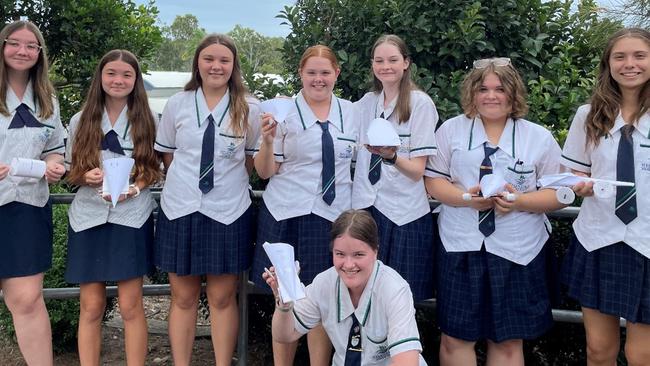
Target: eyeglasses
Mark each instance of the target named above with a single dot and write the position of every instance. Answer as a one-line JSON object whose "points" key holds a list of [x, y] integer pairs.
{"points": [[496, 61], [30, 47]]}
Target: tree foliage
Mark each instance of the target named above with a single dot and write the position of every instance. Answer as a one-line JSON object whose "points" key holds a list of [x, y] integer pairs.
{"points": [[554, 47], [78, 33], [263, 54], [179, 42], [633, 12]]}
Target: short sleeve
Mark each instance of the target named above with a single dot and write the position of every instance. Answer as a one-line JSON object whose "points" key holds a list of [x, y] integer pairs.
{"points": [[575, 154], [550, 159], [55, 143], [424, 117], [254, 134], [438, 164], [278, 142], [166, 134], [306, 312], [403, 332]]}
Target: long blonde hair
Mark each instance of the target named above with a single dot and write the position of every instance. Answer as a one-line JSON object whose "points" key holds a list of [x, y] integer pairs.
{"points": [[43, 89]]}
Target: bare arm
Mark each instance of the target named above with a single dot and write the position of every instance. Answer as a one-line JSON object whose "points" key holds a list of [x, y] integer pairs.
{"points": [[407, 358], [167, 160], [412, 168], [447, 193]]}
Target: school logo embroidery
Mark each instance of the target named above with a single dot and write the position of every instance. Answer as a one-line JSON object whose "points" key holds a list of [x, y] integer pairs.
{"points": [[346, 153], [228, 152], [645, 165], [521, 183], [45, 134], [382, 353]]}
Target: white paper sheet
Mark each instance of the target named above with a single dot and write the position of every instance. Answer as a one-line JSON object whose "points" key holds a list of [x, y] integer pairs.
{"points": [[278, 107], [28, 168], [492, 185], [116, 177], [282, 258], [381, 133]]}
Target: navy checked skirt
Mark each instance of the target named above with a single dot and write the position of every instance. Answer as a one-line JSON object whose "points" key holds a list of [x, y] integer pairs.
{"points": [[614, 280], [197, 245], [309, 235], [484, 296], [26, 243], [109, 253], [409, 250]]}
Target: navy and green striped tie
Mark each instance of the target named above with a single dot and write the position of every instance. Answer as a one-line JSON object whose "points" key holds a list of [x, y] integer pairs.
{"points": [[328, 177], [626, 209], [206, 175]]}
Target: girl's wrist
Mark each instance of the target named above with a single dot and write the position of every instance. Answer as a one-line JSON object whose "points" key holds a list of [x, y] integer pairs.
{"points": [[136, 189]]}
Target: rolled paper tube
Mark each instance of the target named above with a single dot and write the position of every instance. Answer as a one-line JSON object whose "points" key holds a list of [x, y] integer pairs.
{"points": [[511, 197], [467, 196], [565, 195], [603, 190]]}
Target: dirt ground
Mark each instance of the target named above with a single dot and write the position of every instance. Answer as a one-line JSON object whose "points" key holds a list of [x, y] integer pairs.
{"points": [[159, 348]]}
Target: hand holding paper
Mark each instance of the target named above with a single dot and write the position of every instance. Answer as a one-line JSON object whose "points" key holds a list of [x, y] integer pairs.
{"points": [[116, 177], [282, 258], [28, 168], [278, 107], [381, 133], [603, 188]]}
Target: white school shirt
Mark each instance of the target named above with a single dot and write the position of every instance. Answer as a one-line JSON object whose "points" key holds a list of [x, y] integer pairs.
{"points": [[385, 313], [180, 132], [395, 195], [30, 143], [597, 225], [295, 190], [526, 152], [88, 208]]}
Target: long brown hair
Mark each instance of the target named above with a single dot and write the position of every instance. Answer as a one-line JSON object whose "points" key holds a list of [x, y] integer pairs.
{"points": [[88, 135], [406, 85], [606, 99], [43, 89], [238, 104]]}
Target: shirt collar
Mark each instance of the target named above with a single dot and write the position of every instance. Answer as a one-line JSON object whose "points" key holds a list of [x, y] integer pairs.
{"points": [[28, 98], [121, 126], [379, 107], [217, 112], [308, 118], [344, 303], [643, 126], [506, 142]]}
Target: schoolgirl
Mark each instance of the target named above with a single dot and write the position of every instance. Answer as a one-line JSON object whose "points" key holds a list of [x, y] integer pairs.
{"points": [[365, 306], [389, 181], [491, 264], [207, 135], [607, 267], [30, 127], [108, 243], [307, 158]]}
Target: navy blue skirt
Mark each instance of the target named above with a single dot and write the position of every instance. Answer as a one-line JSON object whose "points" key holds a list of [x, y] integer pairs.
{"points": [[483, 296], [26, 242], [309, 235], [109, 253], [198, 245], [409, 250], [614, 280]]}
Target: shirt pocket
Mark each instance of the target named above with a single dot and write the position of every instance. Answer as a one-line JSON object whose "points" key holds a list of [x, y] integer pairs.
{"points": [[522, 177], [642, 176], [377, 345], [230, 146], [344, 147]]}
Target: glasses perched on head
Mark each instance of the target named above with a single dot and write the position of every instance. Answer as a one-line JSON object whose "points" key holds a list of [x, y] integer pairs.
{"points": [[30, 47], [496, 61]]}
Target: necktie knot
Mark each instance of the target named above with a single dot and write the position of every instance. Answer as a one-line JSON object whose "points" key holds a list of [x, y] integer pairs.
{"points": [[627, 130], [111, 143], [324, 125], [24, 118]]}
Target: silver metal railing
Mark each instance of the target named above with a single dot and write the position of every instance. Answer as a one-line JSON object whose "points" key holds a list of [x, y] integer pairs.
{"points": [[247, 287]]}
